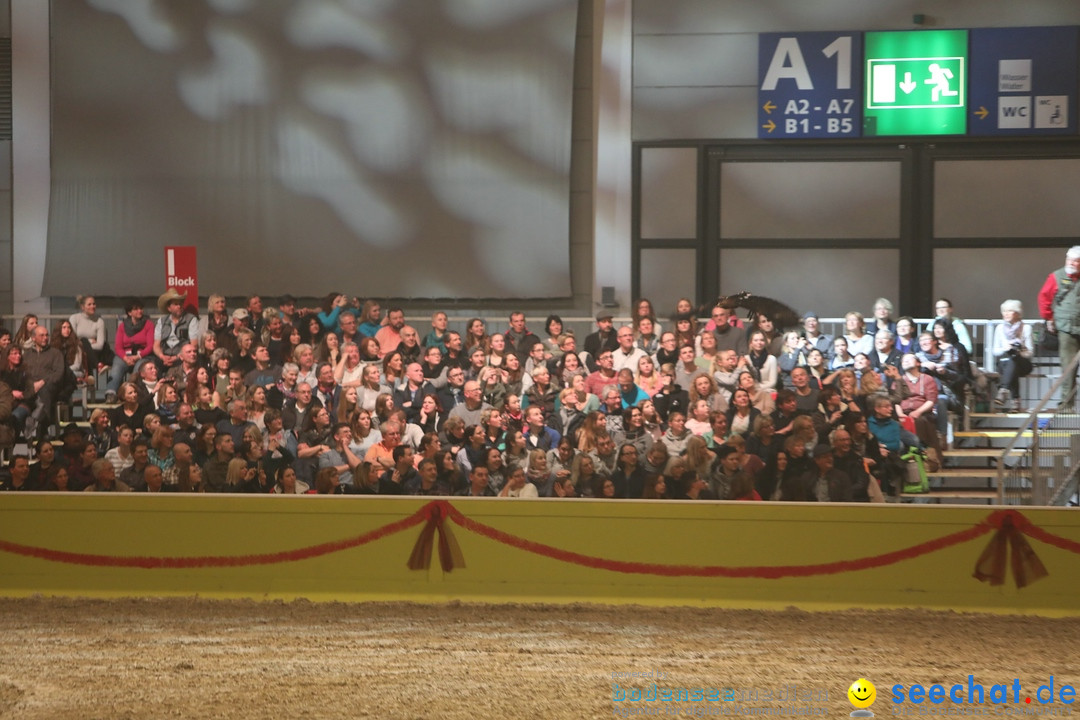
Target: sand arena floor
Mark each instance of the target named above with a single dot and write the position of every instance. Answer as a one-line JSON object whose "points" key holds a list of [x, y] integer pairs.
{"points": [[64, 658]]}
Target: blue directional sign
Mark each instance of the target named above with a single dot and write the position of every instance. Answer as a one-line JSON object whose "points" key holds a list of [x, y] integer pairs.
{"points": [[809, 85], [1023, 81]]}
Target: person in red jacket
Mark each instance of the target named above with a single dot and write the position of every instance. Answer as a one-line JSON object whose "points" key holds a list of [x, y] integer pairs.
{"points": [[1059, 305], [134, 342]]}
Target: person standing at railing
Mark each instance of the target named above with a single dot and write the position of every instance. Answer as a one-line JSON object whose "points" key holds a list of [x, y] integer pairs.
{"points": [[1059, 305], [1013, 348]]}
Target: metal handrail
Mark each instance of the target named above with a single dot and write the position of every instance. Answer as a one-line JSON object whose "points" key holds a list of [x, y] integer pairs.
{"points": [[1067, 489], [1032, 422]]}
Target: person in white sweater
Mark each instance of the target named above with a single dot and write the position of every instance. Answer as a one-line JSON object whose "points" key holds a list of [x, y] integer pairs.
{"points": [[89, 327]]}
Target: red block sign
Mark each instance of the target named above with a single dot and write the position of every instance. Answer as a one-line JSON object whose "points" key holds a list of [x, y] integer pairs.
{"points": [[181, 273]]}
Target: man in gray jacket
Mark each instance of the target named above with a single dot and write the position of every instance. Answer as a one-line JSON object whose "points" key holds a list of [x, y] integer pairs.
{"points": [[45, 370]]}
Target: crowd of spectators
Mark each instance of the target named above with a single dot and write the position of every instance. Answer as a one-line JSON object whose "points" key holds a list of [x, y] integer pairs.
{"points": [[344, 399]]}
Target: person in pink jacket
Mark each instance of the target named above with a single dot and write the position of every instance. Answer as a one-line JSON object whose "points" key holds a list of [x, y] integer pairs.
{"points": [[134, 342]]}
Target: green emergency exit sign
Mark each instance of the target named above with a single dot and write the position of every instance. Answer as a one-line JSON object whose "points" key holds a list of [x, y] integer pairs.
{"points": [[916, 83]]}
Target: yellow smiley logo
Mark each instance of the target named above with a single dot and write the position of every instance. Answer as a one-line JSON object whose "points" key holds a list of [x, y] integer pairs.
{"points": [[862, 693]]}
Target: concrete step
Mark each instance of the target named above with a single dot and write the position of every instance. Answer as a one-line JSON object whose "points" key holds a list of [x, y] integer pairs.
{"points": [[995, 453], [943, 494], [969, 472], [1010, 434], [1008, 416], [970, 453]]}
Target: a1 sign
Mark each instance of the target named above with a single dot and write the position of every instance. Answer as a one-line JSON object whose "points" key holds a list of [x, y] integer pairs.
{"points": [[809, 85], [181, 273]]}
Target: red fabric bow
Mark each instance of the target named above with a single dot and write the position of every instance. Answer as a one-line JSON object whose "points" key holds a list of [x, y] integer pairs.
{"points": [[450, 555], [1026, 566]]}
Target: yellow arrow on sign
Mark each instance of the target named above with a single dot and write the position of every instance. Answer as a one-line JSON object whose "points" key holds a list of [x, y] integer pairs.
{"points": [[768, 107], [982, 112], [770, 126]]}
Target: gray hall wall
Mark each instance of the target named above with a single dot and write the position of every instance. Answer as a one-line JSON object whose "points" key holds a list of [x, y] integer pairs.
{"points": [[5, 191], [25, 172], [695, 70]]}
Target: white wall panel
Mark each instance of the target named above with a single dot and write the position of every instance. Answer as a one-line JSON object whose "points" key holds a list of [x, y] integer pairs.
{"points": [[693, 113], [810, 200], [669, 187], [666, 276], [1006, 198]]}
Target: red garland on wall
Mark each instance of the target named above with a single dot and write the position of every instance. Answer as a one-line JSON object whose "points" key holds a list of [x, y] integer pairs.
{"points": [[1009, 527]]}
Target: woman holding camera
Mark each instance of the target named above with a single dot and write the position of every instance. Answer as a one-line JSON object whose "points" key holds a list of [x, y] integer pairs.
{"points": [[1013, 349]]}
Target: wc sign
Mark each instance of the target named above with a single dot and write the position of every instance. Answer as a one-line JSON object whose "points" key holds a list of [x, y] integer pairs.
{"points": [[181, 273], [1024, 81]]}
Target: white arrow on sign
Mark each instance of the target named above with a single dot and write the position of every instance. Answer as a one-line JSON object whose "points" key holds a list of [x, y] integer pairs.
{"points": [[908, 85]]}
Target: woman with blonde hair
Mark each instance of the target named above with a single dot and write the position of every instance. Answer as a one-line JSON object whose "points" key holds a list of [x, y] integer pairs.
{"points": [[168, 402], [791, 356], [364, 433], [869, 384], [583, 475], [89, 328], [370, 387], [883, 310], [587, 434], [802, 430], [244, 359], [22, 337], [538, 472], [858, 340], [646, 377], [130, 412], [498, 351], [207, 344], [256, 407], [705, 388], [847, 384], [707, 352], [217, 320], [304, 357], [238, 475], [699, 457]]}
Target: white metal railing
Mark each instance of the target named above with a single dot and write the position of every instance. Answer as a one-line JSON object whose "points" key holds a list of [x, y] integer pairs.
{"points": [[1049, 463], [981, 330]]}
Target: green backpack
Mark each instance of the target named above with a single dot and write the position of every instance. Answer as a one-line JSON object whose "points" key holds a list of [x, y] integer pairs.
{"points": [[916, 480]]}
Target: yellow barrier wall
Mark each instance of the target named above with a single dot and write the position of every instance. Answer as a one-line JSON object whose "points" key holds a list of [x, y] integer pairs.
{"points": [[666, 533]]}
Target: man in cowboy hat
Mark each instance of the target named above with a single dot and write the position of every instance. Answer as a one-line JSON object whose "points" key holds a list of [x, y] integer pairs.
{"points": [[174, 329]]}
